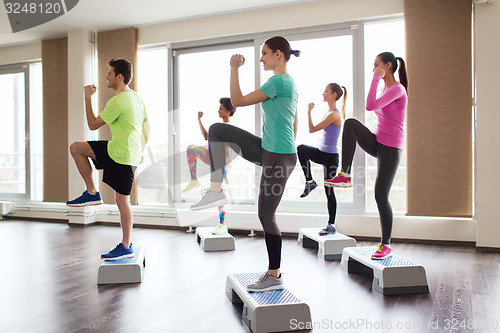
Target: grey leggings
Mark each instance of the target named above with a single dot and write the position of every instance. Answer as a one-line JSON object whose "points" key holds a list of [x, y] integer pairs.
{"points": [[276, 168], [387, 165]]}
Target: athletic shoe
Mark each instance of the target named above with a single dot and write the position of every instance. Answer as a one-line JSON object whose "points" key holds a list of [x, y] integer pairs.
{"points": [[308, 188], [119, 252], [382, 252], [341, 180], [220, 229], [210, 199], [193, 183], [266, 282], [86, 199], [328, 230]]}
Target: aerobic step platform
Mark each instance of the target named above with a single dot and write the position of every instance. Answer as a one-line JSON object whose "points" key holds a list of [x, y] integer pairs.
{"points": [[128, 270], [209, 242], [329, 247], [268, 311], [391, 276]]}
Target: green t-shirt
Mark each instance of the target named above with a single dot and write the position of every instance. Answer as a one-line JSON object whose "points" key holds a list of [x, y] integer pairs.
{"points": [[279, 114], [125, 114]]}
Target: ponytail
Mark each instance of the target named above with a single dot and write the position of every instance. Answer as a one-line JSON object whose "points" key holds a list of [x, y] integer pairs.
{"points": [[403, 77], [344, 102], [336, 88], [280, 43], [389, 57]]}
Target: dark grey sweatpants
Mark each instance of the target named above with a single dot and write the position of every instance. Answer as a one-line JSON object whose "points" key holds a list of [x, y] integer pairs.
{"points": [[276, 168]]}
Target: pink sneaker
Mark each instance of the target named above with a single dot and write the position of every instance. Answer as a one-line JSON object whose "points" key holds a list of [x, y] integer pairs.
{"points": [[340, 180], [382, 252]]}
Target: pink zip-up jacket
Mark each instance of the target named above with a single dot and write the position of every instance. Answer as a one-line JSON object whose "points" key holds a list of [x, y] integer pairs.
{"points": [[390, 109]]}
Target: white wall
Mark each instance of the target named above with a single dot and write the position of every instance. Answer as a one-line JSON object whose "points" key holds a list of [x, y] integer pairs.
{"points": [[20, 53], [487, 46], [256, 21]]}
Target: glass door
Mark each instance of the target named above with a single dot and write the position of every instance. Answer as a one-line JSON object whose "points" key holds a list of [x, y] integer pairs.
{"points": [[14, 150], [326, 57], [202, 79]]}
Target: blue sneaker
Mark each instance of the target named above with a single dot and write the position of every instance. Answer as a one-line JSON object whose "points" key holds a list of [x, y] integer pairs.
{"points": [[119, 252], [86, 199]]}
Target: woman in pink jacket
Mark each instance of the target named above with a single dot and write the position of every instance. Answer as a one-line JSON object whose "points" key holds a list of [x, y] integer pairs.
{"points": [[385, 144]]}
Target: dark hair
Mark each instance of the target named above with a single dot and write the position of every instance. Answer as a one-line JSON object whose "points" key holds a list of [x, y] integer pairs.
{"points": [[336, 88], [123, 67], [226, 102], [389, 57], [280, 43]]}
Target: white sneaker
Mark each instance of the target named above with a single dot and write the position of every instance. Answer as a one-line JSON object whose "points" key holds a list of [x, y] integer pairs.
{"points": [[210, 199], [266, 282], [220, 229]]}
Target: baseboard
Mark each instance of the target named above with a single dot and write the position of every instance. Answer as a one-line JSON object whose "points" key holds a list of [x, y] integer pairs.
{"points": [[487, 249], [36, 219]]}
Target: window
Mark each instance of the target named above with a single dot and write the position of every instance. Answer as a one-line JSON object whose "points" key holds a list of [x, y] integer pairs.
{"points": [[381, 37], [21, 132], [202, 79], [343, 54], [152, 87], [323, 60], [36, 132]]}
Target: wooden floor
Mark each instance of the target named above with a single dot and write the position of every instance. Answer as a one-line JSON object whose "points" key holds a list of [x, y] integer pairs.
{"points": [[48, 283]]}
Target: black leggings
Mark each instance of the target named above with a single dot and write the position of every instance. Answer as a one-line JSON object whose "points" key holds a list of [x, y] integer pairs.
{"points": [[387, 165], [330, 164], [276, 168]]}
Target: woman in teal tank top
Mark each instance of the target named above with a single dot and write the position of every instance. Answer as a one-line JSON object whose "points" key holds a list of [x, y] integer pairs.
{"points": [[275, 151]]}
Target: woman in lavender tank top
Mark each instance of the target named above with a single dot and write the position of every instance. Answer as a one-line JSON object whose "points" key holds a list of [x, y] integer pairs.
{"points": [[385, 144], [327, 154]]}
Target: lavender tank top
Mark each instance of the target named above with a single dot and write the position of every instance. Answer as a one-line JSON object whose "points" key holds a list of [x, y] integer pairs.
{"points": [[330, 137]]}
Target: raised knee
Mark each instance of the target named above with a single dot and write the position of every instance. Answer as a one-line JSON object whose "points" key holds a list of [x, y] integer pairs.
{"points": [[74, 148], [349, 122], [214, 130], [300, 149], [216, 126]]}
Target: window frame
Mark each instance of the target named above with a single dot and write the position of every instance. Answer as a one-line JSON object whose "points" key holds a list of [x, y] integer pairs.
{"points": [[14, 69], [354, 28], [175, 120]]}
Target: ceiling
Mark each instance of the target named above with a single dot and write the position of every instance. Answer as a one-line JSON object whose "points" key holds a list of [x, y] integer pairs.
{"points": [[101, 15]]}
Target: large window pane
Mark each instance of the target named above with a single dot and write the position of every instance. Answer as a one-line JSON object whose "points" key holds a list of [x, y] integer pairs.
{"points": [[203, 80], [12, 134], [381, 37], [152, 87], [322, 61]]}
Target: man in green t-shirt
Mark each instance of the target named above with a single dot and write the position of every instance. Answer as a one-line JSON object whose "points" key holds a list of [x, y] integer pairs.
{"points": [[127, 119]]}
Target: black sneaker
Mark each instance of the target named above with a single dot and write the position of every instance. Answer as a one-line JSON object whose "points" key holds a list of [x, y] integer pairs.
{"points": [[328, 230], [308, 188]]}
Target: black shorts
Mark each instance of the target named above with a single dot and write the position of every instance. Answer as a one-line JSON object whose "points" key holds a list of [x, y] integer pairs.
{"points": [[119, 176]]}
